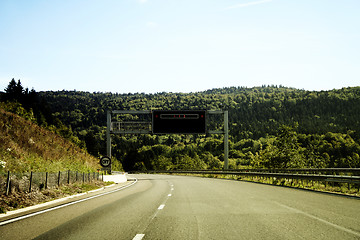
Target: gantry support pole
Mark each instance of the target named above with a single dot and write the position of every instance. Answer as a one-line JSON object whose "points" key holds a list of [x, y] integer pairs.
{"points": [[226, 140], [108, 137], [225, 131]]}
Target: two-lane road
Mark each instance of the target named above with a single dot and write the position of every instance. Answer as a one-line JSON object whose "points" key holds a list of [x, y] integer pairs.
{"points": [[177, 207]]}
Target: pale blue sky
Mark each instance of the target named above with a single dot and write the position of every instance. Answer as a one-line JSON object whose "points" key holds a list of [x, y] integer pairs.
{"points": [[179, 45]]}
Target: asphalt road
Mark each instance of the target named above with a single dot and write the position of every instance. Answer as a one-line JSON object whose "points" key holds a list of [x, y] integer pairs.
{"points": [[177, 207]]}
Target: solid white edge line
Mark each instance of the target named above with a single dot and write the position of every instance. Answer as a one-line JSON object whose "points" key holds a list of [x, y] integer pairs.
{"points": [[138, 237], [64, 205], [320, 220]]}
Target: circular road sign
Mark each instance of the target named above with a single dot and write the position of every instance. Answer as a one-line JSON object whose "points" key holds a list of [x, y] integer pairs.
{"points": [[105, 162]]}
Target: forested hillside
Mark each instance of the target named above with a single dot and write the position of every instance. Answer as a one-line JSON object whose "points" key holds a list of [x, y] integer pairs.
{"points": [[269, 127]]}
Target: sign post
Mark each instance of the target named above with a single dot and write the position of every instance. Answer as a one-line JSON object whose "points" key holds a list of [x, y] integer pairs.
{"points": [[108, 138], [225, 131], [105, 162], [226, 140]]}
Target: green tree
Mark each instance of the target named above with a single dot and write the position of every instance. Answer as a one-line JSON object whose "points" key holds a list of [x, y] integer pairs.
{"points": [[14, 91], [284, 152]]}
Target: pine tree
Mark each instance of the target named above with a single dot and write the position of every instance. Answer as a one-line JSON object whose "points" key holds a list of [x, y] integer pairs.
{"points": [[14, 91]]}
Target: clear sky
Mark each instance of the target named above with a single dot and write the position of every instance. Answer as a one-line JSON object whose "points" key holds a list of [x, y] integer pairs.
{"points": [[179, 45]]}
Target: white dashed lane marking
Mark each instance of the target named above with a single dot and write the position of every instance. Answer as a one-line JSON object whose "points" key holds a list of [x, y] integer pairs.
{"points": [[139, 236]]}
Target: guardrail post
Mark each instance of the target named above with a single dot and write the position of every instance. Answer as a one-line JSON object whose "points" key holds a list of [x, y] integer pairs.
{"points": [[46, 180], [59, 179], [31, 175], [8, 183], [68, 178]]}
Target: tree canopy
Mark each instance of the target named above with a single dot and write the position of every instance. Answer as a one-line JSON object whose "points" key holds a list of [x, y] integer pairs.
{"points": [[270, 126]]}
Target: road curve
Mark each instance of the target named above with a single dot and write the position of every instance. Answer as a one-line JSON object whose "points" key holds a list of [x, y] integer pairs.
{"points": [[179, 207]]}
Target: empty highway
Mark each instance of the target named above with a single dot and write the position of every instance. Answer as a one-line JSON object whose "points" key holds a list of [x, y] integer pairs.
{"points": [[180, 207]]}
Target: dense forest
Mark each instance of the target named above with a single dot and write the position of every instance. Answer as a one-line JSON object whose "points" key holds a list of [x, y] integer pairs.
{"points": [[270, 127]]}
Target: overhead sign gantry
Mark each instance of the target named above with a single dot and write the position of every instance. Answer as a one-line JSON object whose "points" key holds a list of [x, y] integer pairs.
{"points": [[167, 122], [180, 122]]}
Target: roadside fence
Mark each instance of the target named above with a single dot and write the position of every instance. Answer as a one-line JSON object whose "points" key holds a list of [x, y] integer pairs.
{"points": [[37, 181]]}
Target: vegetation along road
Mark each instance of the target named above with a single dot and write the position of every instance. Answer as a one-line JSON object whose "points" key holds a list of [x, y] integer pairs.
{"points": [[179, 207]]}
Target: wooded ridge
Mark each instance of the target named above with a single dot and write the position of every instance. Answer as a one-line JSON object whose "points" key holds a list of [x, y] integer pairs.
{"points": [[269, 126]]}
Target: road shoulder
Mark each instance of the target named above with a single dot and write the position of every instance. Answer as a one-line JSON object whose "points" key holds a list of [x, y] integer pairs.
{"points": [[119, 184]]}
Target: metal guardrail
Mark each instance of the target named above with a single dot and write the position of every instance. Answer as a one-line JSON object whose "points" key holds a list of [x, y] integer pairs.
{"points": [[334, 171], [337, 175]]}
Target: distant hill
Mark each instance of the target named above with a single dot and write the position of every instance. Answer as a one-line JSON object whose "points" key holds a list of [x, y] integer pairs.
{"points": [[24, 146], [253, 112], [257, 117]]}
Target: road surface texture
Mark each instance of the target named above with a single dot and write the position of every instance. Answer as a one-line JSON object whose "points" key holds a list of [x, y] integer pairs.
{"points": [[180, 207]]}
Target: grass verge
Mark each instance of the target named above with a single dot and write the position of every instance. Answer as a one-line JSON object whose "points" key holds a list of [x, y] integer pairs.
{"points": [[339, 188]]}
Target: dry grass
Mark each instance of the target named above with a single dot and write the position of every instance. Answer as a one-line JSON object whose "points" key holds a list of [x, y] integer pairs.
{"points": [[25, 147], [18, 200]]}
